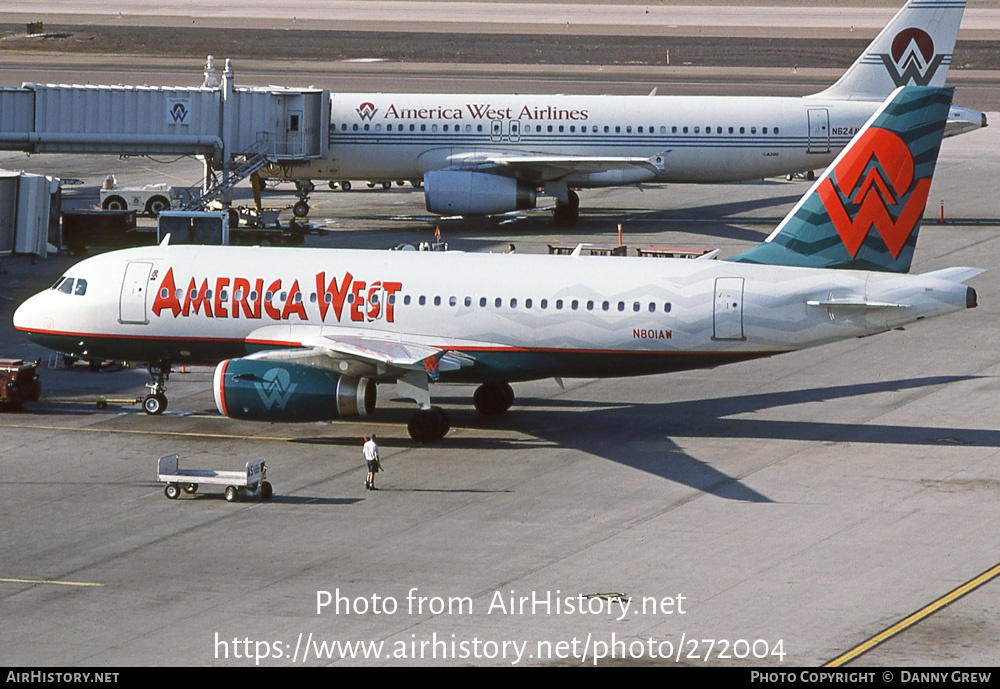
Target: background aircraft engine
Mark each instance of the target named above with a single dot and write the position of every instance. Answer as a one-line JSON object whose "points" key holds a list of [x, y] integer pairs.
{"points": [[262, 390], [458, 192]]}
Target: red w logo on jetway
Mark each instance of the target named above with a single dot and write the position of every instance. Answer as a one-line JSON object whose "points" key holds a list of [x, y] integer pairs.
{"points": [[887, 166]]}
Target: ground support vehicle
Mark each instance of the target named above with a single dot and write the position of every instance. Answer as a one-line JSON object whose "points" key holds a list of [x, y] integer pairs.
{"points": [[19, 382], [238, 483]]}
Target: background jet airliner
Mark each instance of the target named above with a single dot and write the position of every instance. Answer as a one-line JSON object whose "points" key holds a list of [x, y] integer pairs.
{"points": [[485, 154], [305, 334]]}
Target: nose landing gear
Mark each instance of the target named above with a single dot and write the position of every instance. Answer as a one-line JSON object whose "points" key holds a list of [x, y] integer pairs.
{"points": [[156, 401]]}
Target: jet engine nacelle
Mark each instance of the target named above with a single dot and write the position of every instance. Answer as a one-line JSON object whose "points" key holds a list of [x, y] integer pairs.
{"points": [[262, 390], [459, 192]]}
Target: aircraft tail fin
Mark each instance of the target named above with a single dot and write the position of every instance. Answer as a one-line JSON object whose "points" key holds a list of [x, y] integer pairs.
{"points": [[864, 212], [913, 49]]}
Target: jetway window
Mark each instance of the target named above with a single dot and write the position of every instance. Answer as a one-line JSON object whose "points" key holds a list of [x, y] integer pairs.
{"points": [[293, 123]]}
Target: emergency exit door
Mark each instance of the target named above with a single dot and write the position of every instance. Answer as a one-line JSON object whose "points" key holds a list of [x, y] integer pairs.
{"points": [[727, 323], [135, 286]]}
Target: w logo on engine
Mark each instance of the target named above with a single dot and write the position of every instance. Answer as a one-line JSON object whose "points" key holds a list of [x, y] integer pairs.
{"points": [[275, 388], [912, 57], [874, 185]]}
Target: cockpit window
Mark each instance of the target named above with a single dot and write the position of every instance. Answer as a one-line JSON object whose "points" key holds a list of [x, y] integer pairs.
{"points": [[65, 285]]}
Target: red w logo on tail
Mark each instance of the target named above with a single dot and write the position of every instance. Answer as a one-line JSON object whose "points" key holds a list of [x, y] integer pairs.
{"points": [[891, 183]]}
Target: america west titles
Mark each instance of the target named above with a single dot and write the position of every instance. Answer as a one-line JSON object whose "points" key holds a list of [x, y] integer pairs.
{"points": [[344, 298]]}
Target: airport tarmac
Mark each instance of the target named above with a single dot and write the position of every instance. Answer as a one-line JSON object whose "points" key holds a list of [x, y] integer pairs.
{"points": [[780, 513], [800, 505]]}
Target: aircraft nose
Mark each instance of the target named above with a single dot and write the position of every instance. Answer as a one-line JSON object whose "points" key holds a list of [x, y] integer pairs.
{"points": [[26, 316]]}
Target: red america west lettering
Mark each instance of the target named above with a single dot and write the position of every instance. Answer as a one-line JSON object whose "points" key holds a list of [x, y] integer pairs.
{"points": [[890, 180], [343, 298]]}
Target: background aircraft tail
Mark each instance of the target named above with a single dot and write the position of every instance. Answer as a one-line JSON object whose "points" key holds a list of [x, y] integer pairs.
{"points": [[914, 49], [864, 212]]}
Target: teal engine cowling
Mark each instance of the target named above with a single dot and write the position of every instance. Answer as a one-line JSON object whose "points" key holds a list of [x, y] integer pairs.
{"points": [[261, 390]]}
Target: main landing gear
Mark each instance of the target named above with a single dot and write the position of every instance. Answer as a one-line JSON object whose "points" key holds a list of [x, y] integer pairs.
{"points": [[567, 214], [156, 401], [491, 399], [429, 423]]}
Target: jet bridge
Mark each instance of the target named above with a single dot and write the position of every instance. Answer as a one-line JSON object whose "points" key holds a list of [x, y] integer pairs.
{"points": [[233, 128]]}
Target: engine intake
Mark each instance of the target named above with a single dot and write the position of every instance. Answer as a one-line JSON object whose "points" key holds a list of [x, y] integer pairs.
{"points": [[260, 390], [459, 192]]}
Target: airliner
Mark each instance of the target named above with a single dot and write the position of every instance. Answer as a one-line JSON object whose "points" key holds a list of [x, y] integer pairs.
{"points": [[308, 334], [491, 154]]}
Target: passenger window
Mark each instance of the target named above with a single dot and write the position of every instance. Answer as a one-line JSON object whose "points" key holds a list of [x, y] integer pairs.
{"points": [[406, 299], [605, 306], [513, 303], [422, 300], [437, 301], [574, 304], [498, 303], [621, 306], [666, 307], [468, 301], [635, 306], [544, 303], [482, 301], [558, 303], [775, 130], [527, 303]]}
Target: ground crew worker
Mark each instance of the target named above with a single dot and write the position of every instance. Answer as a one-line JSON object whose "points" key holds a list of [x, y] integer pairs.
{"points": [[370, 451]]}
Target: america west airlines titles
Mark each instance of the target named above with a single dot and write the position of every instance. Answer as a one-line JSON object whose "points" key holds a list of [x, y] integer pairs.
{"points": [[480, 111]]}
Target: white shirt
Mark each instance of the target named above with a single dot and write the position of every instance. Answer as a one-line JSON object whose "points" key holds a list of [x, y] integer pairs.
{"points": [[370, 450]]}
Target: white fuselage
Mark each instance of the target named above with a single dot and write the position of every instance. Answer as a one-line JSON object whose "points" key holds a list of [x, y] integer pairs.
{"points": [[699, 138], [516, 316]]}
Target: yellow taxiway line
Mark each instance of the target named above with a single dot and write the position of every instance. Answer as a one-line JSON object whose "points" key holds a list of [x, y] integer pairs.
{"points": [[223, 436], [49, 581], [907, 622]]}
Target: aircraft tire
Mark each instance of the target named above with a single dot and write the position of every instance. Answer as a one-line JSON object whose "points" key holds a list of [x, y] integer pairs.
{"points": [[154, 404], [491, 399], [300, 209], [345, 185], [428, 425]]}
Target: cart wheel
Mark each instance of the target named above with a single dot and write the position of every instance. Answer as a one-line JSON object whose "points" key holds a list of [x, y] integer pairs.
{"points": [[300, 209], [172, 491], [190, 488], [265, 490], [231, 493]]}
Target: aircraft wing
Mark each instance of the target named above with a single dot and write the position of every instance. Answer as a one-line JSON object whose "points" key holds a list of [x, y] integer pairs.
{"points": [[543, 168], [373, 353]]}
